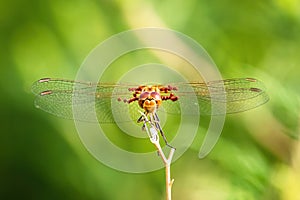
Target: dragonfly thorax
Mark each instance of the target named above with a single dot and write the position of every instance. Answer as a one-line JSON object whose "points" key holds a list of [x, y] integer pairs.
{"points": [[150, 98]]}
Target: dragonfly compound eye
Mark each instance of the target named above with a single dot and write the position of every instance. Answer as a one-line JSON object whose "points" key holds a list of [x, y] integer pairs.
{"points": [[144, 95], [156, 96]]}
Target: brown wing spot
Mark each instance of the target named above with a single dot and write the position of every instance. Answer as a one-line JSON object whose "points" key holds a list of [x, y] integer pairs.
{"points": [[46, 92], [251, 79], [255, 89], [44, 80]]}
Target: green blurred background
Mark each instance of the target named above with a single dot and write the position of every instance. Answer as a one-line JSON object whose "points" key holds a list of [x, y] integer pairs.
{"points": [[258, 154]]}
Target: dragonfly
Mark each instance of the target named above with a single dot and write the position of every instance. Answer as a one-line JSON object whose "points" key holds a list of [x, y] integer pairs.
{"points": [[121, 102]]}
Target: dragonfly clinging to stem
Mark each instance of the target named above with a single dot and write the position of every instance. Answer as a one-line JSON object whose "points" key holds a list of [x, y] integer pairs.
{"points": [[59, 97]]}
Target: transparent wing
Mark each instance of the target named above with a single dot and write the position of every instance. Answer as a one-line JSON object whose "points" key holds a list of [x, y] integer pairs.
{"points": [[236, 95], [57, 96]]}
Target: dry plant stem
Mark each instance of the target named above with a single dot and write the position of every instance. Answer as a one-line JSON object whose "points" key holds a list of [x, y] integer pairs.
{"points": [[167, 163], [154, 138]]}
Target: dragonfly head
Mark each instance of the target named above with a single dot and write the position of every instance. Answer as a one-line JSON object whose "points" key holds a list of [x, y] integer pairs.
{"points": [[150, 99]]}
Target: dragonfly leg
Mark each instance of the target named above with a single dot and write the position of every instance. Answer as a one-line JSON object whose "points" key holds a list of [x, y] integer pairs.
{"points": [[142, 118], [156, 121]]}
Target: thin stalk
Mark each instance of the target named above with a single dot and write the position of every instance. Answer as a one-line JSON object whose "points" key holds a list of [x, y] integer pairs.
{"points": [[154, 138]]}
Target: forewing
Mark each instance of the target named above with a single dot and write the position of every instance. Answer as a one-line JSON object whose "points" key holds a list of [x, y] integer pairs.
{"points": [[226, 96], [60, 97]]}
